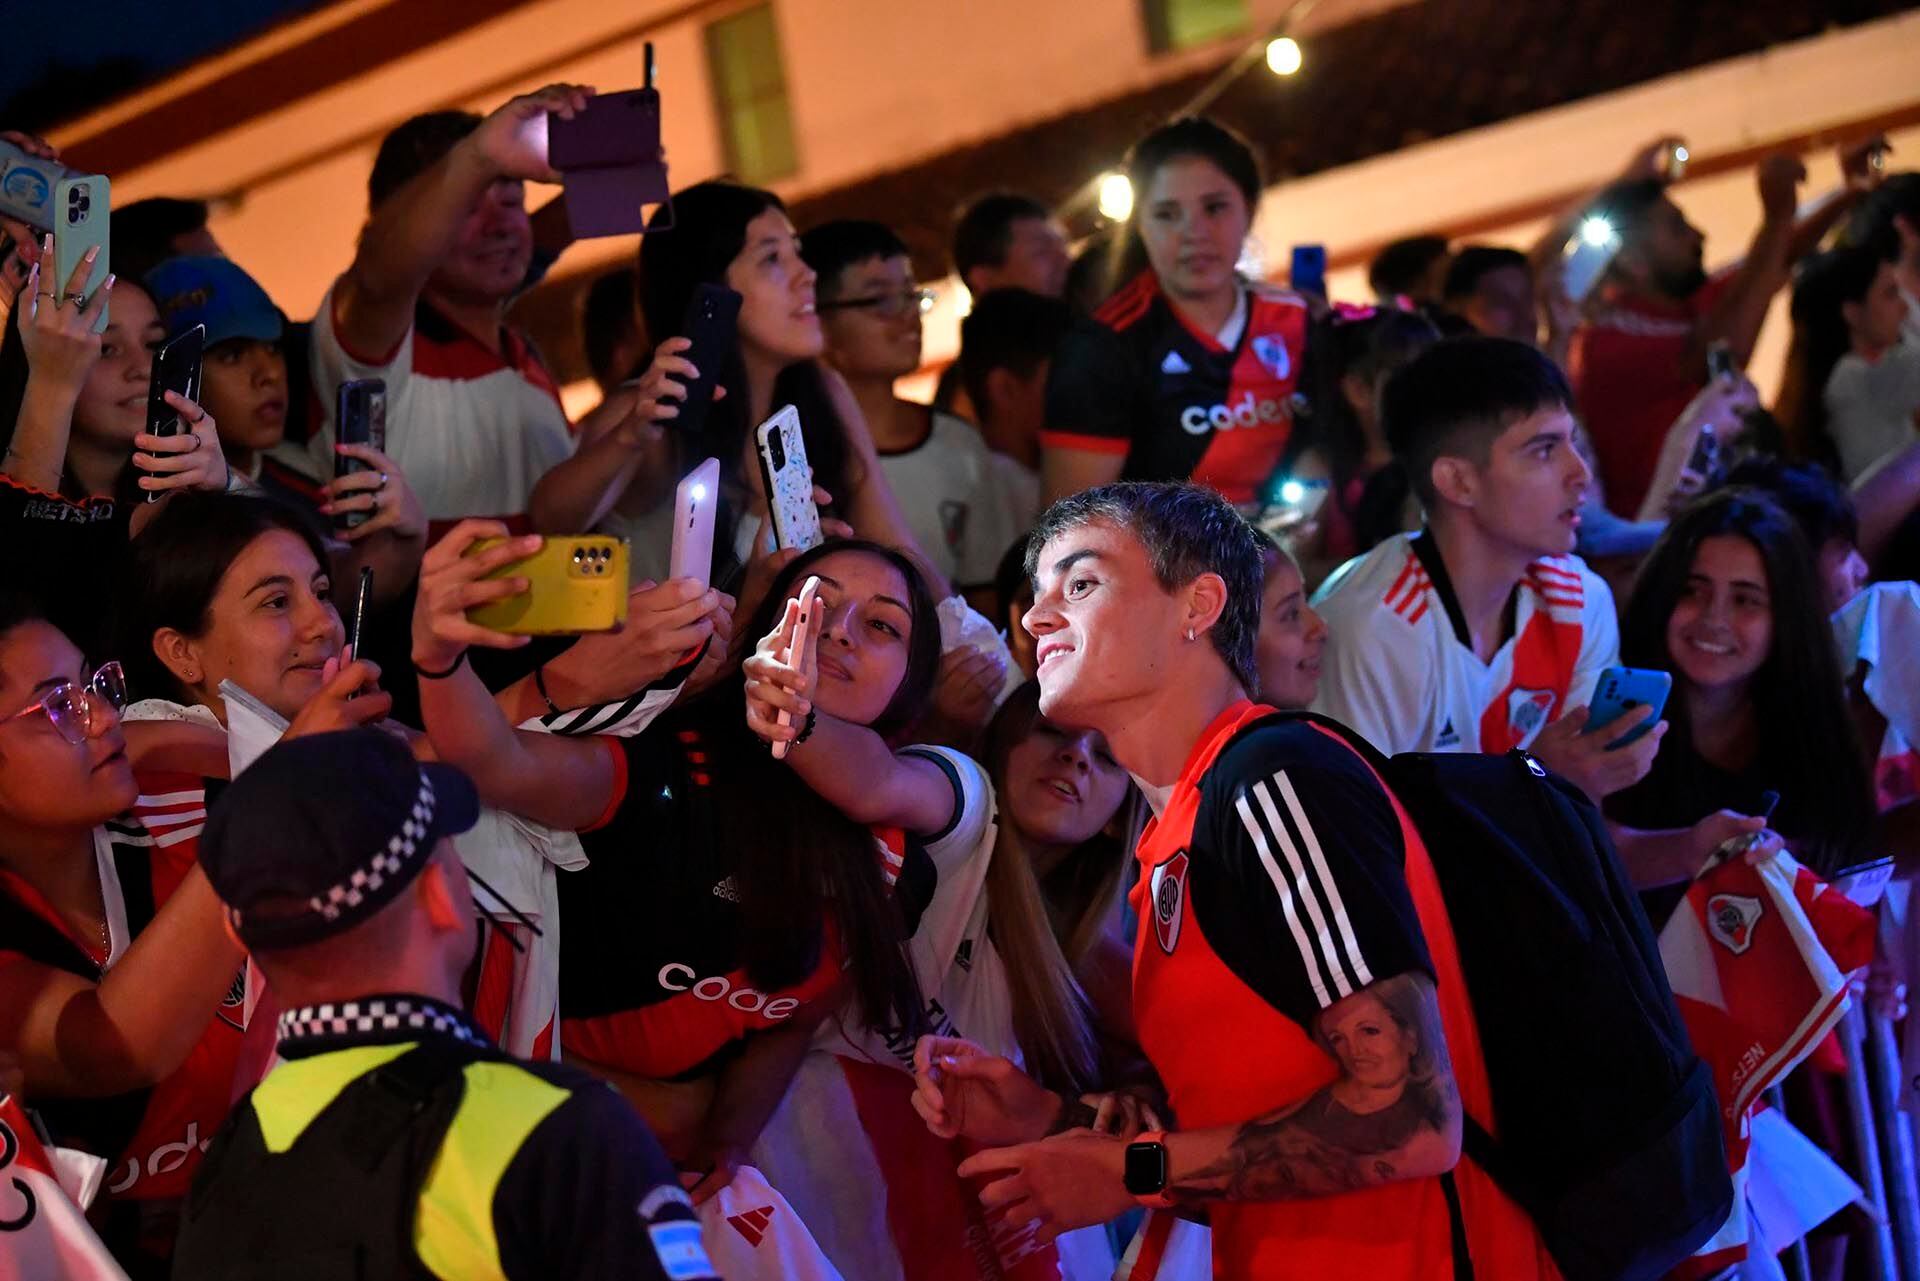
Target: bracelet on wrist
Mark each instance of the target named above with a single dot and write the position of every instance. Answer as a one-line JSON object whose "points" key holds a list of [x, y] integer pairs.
{"points": [[426, 674], [1075, 1114], [807, 728], [540, 683]]}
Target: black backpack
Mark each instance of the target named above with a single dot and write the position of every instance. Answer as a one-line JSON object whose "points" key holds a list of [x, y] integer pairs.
{"points": [[1610, 1130]]}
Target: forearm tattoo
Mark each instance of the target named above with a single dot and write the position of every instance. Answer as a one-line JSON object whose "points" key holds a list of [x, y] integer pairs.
{"points": [[1394, 1101]]}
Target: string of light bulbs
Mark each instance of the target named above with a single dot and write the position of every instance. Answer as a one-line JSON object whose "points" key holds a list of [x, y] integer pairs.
{"points": [[1111, 192]]}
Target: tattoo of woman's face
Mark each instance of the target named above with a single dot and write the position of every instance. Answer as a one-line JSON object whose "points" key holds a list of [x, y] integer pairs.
{"points": [[1373, 1047]]}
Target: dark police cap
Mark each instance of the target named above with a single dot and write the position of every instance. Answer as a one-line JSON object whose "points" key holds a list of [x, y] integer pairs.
{"points": [[323, 831]]}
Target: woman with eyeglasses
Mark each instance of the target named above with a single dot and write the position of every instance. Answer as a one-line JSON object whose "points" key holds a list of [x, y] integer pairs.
{"points": [[622, 477], [1189, 370], [120, 988], [960, 497]]}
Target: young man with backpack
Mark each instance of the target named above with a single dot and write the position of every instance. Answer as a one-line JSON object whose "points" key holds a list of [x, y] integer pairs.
{"points": [[1295, 983], [1331, 999], [1483, 632]]}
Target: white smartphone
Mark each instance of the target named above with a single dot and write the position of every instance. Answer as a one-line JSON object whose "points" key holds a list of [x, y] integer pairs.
{"points": [[81, 206], [1587, 254], [789, 480], [693, 505], [802, 637]]}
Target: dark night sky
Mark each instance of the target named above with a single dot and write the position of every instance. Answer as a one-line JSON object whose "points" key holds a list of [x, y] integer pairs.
{"points": [[92, 51]]}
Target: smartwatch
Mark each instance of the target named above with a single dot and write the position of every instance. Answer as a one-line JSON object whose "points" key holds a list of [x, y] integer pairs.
{"points": [[1146, 1170]]}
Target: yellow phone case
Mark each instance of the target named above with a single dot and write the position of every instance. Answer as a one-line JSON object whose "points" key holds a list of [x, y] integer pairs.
{"points": [[575, 584]]}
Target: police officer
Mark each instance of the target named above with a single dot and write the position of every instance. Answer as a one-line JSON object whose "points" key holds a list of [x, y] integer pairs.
{"points": [[393, 1140]]}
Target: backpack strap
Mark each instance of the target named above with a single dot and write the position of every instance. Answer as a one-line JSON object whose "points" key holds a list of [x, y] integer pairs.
{"points": [[389, 1099]]}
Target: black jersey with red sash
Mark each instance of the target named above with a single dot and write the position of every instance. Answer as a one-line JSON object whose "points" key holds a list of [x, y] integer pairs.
{"points": [[652, 980], [1137, 380], [153, 1137], [1280, 878]]}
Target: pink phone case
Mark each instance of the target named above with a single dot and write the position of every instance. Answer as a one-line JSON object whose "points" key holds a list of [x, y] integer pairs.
{"points": [[802, 637]]}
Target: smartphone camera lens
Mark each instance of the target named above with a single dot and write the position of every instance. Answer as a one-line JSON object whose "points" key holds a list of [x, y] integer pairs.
{"points": [[778, 448], [579, 555]]}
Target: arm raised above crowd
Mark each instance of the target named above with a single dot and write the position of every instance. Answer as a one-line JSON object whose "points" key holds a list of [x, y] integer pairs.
{"points": [[414, 228], [61, 349]]}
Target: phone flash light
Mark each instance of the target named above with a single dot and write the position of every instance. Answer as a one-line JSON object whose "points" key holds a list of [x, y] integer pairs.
{"points": [[1596, 231], [1116, 197], [699, 493], [1292, 492], [1681, 155], [1283, 56]]}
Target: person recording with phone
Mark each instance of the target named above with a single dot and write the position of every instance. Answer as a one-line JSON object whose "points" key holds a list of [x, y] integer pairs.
{"points": [[78, 456], [1641, 354], [1189, 369], [631, 458], [1482, 631], [446, 247]]}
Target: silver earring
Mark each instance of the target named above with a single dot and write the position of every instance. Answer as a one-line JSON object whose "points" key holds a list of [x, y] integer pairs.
{"points": [[1190, 635]]}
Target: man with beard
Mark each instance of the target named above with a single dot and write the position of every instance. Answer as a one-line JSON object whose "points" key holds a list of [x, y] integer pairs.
{"points": [[473, 416], [1642, 354]]}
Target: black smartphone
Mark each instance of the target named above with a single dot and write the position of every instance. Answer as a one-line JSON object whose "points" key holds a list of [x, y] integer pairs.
{"points": [[709, 324], [176, 368], [360, 418], [358, 636], [1307, 273]]}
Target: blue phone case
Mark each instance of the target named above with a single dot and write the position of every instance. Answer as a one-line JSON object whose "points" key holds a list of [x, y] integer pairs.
{"points": [[1622, 690]]}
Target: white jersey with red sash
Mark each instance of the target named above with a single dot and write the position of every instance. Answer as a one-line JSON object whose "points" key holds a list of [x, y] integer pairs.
{"points": [[1400, 666]]}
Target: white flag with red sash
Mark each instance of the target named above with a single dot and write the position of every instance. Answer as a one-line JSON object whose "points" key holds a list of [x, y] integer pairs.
{"points": [[43, 1234]]}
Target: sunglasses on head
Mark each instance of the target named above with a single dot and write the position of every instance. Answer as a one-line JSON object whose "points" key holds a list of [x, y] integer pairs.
{"points": [[70, 705]]}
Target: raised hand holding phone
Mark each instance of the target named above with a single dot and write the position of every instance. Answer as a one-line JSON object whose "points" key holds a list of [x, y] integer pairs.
{"points": [[780, 672], [788, 478]]}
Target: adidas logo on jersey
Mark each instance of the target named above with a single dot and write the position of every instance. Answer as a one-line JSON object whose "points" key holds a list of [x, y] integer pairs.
{"points": [[1175, 363], [1449, 736], [752, 1224]]}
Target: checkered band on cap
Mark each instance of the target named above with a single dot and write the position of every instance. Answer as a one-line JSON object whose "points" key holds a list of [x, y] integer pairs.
{"points": [[401, 849]]}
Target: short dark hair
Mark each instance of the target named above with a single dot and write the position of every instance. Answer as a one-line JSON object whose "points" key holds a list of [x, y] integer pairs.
{"points": [[1396, 271], [983, 233], [1195, 136], [144, 231], [413, 147], [1187, 530], [1473, 263], [1009, 329], [1458, 395], [832, 247], [1806, 491], [607, 319]]}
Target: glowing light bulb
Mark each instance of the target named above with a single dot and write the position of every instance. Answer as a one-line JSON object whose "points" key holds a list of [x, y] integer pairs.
{"points": [[1596, 230], [1283, 56], [1116, 197]]}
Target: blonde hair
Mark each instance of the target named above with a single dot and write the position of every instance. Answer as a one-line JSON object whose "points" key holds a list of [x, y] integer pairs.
{"points": [[1041, 943]]}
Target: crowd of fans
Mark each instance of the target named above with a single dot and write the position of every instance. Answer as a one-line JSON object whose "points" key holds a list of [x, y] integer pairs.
{"points": [[912, 998]]}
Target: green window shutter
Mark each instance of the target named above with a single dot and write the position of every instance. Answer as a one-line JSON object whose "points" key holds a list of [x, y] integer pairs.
{"points": [[750, 95]]}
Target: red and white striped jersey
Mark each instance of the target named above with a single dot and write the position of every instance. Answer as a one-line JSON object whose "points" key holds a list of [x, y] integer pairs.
{"points": [[1400, 667]]}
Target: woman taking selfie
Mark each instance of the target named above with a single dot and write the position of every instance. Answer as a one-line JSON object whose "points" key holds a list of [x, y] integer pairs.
{"points": [[1189, 370], [630, 457], [119, 987], [78, 463]]}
